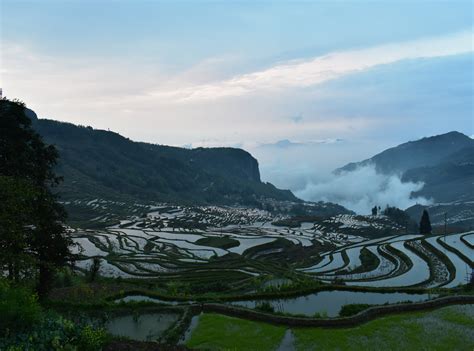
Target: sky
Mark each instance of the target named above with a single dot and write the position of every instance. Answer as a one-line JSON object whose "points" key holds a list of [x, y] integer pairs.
{"points": [[305, 86]]}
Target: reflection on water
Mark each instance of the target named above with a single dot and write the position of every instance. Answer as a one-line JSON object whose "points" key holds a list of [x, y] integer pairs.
{"points": [[143, 298], [330, 302], [144, 327]]}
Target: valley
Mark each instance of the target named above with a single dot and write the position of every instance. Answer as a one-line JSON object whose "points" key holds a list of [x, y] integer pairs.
{"points": [[177, 258], [170, 247]]}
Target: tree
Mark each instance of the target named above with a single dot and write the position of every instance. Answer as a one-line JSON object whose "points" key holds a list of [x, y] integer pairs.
{"points": [[94, 269], [401, 218], [374, 211], [16, 211], [28, 163], [425, 224]]}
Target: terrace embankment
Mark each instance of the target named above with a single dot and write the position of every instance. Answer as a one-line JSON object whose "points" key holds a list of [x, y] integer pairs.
{"points": [[362, 317]]}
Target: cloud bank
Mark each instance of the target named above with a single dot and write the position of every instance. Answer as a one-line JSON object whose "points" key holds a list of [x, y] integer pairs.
{"points": [[306, 73], [364, 188]]}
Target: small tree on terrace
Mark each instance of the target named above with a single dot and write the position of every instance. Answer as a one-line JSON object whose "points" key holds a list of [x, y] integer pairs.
{"points": [[425, 224], [374, 211]]}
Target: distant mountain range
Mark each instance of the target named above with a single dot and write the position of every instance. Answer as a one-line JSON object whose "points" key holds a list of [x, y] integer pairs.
{"points": [[98, 164], [452, 179], [425, 152], [444, 163]]}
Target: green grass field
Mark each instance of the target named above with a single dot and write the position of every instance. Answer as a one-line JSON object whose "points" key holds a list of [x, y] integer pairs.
{"points": [[218, 332], [448, 328]]}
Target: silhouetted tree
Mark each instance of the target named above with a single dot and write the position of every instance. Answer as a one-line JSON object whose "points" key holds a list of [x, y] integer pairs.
{"points": [[401, 218], [374, 211], [425, 224], [16, 211], [94, 269], [25, 160]]}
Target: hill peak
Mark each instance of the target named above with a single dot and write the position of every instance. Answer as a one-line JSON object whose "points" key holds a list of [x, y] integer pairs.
{"points": [[423, 152]]}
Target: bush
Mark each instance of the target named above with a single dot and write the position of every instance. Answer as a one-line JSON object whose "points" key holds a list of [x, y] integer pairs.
{"points": [[54, 332], [94, 269], [64, 278], [25, 326], [352, 309], [265, 306], [92, 339], [19, 308], [322, 314]]}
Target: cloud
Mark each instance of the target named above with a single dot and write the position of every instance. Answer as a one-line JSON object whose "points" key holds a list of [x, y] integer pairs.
{"points": [[114, 93], [297, 119], [363, 188], [306, 73]]}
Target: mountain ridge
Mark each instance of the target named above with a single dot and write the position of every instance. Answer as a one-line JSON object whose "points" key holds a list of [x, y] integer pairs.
{"points": [[427, 151], [444, 164], [156, 171]]}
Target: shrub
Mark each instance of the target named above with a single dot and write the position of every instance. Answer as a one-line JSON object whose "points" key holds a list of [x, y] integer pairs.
{"points": [[25, 326], [92, 339], [54, 332], [94, 269], [19, 308], [265, 306], [352, 309], [64, 278], [322, 314]]}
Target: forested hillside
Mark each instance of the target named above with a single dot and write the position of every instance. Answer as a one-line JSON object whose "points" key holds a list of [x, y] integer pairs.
{"points": [[105, 164]]}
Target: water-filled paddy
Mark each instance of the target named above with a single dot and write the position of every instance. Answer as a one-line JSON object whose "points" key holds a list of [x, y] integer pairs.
{"points": [[324, 302], [455, 242], [144, 327], [330, 302], [336, 263], [143, 298], [418, 273], [460, 266]]}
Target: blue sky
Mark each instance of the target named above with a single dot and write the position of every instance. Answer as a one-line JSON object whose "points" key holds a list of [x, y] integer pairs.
{"points": [[370, 74]]}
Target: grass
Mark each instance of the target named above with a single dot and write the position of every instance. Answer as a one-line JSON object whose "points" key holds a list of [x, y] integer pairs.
{"points": [[218, 332], [448, 328], [219, 242]]}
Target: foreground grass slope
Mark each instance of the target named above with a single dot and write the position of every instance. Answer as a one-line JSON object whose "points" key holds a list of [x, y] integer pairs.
{"points": [[449, 328], [218, 332]]}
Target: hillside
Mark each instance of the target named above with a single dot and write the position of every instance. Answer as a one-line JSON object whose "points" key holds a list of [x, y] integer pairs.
{"points": [[97, 163], [106, 174], [450, 180], [444, 163], [425, 152]]}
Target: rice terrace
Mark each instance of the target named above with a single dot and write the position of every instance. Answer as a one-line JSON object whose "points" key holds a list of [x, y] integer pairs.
{"points": [[199, 261], [265, 175]]}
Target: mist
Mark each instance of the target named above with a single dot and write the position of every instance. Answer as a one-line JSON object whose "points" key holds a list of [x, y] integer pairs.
{"points": [[362, 189]]}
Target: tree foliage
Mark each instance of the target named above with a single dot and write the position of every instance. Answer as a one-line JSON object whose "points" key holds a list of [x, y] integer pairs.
{"points": [[32, 235], [16, 211], [425, 223], [400, 217], [374, 211]]}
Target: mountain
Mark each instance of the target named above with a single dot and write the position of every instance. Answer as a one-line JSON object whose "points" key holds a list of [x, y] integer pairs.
{"points": [[425, 152], [98, 163], [444, 164], [109, 176], [450, 180], [459, 215]]}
